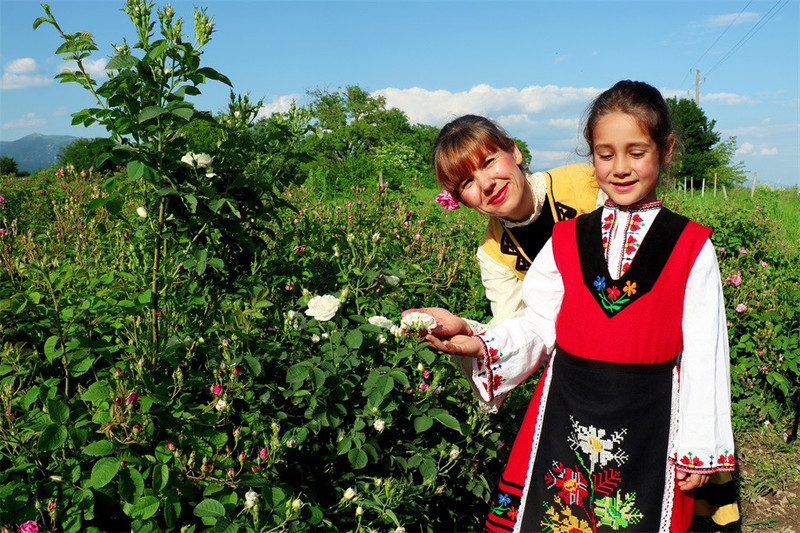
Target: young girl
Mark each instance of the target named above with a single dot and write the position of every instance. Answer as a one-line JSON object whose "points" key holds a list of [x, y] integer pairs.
{"points": [[633, 409]]}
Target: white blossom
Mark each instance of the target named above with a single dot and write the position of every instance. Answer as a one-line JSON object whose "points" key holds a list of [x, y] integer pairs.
{"points": [[416, 321], [400, 529], [323, 307], [197, 160], [380, 321], [381, 338], [379, 425], [221, 404], [250, 499], [454, 453], [376, 237], [295, 320], [349, 494], [141, 211], [315, 338], [391, 280], [396, 331]]}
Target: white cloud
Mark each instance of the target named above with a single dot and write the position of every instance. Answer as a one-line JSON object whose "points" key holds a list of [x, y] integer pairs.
{"points": [[745, 148], [767, 150], [726, 98], [279, 104], [22, 73], [28, 120], [96, 68], [549, 156], [564, 123], [734, 18], [439, 107]]}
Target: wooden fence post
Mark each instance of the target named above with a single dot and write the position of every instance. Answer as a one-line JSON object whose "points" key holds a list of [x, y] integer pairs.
{"points": [[753, 189]]}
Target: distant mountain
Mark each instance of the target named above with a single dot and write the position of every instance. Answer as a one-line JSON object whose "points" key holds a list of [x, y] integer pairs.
{"points": [[35, 151]]}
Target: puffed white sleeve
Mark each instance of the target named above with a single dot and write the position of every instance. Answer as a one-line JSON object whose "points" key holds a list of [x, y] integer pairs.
{"points": [[518, 346], [704, 442]]}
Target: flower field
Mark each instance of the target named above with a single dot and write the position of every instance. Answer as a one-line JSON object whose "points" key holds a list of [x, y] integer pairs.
{"points": [[290, 398], [203, 340]]}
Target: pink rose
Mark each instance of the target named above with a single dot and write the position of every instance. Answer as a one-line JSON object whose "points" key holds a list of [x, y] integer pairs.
{"points": [[28, 527], [740, 308], [217, 389], [446, 200]]}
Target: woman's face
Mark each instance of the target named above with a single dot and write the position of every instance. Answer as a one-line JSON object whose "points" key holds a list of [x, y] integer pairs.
{"points": [[499, 187]]}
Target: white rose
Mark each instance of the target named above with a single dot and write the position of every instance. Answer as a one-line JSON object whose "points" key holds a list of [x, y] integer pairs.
{"points": [[381, 338], [396, 331], [400, 529], [380, 321], [417, 322], [221, 404], [315, 338], [323, 307], [349, 494], [454, 453], [188, 159], [376, 237], [141, 211], [391, 280], [203, 160], [250, 499], [379, 425]]}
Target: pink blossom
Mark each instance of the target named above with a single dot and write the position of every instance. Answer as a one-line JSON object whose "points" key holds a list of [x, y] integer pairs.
{"points": [[740, 308], [405, 224], [417, 236], [3, 231], [301, 212], [742, 251], [296, 221], [299, 249], [290, 287], [423, 386], [426, 373], [763, 263], [59, 172], [736, 280], [263, 453], [446, 200], [51, 505], [132, 397], [30, 526], [349, 217], [217, 389]]}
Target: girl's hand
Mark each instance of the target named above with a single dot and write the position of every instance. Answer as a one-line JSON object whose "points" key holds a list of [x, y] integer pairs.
{"points": [[687, 481], [447, 324], [457, 345]]}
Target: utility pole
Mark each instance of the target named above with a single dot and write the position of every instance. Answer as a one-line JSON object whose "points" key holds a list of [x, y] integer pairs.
{"points": [[697, 88]]}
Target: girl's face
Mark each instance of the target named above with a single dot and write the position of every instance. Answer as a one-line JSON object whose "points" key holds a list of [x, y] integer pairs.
{"points": [[499, 187], [626, 159]]}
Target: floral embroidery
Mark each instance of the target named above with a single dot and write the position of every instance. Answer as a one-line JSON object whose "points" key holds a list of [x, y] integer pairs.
{"points": [[631, 245], [618, 511], [600, 283], [610, 300], [690, 461], [636, 222], [629, 288], [582, 502], [502, 506], [726, 459]]}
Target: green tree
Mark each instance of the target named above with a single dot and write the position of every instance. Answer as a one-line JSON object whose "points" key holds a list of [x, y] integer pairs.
{"points": [[85, 154], [8, 165], [694, 156]]}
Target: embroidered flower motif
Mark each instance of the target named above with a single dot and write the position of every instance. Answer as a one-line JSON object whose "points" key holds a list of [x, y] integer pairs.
{"points": [[502, 506], [629, 288], [613, 293], [608, 221], [618, 511], [690, 461], [600, 283], [636, 222], [631, 245], [504, 499], [726, 459], [559, 519], [512, 513], [596, 445], [573, 486], [625, 267], [496, 381]]}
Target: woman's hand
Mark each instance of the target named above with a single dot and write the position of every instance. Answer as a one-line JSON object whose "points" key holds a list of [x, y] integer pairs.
{"points": [[687, 481], [464, 345], [447, 324]]}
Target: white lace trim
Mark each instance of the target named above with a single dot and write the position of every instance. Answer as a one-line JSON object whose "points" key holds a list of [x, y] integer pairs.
{"points": [[669, 487], [538, 184], [535, 444]]}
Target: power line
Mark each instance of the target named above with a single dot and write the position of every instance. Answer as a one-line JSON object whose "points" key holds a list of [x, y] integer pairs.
{"points": [[749, 35]]}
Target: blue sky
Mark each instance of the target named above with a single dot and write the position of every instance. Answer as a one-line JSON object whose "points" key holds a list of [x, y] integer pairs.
{"points": [[531, 65]]}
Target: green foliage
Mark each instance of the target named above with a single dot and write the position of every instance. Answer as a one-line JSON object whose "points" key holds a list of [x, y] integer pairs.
{"points": [[8, 165], [86, 154]]}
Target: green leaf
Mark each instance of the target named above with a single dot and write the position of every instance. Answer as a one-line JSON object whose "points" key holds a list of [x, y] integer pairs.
{"points": [[135, 170], [144, 508], [297, 373], [209, 508], [353, 339], [131, 486], [50, 348], [150, 112], [357, 457], [428, 469], [99, 448], [97, 392], [160, 477], [58, 411], [52, 437], [104, 471], [122, 61], [449, 420], [422, 423]]}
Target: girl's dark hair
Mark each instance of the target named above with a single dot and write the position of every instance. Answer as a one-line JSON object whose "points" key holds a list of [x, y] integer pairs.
{"points": [[462, 145], [642, 101]]}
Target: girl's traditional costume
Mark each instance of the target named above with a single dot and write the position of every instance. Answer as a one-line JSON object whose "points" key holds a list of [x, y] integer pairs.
{"points": [[637, 383]]}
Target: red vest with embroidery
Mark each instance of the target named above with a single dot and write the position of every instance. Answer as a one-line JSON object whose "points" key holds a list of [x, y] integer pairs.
{"points": [[637, 318]]}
